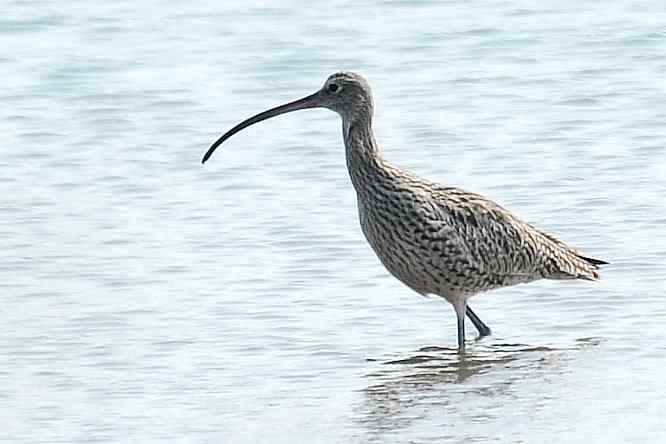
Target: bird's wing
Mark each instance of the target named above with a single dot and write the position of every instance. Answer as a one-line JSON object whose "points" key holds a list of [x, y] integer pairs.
{"points": [[499, 245], [492, 241]]}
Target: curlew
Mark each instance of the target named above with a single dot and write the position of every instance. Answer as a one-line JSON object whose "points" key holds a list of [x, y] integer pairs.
{"points": [[436, 239]]}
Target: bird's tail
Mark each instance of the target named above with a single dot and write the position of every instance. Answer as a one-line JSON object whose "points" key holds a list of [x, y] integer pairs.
{"points": [[595, 262], [570, 264], [590, 271]]}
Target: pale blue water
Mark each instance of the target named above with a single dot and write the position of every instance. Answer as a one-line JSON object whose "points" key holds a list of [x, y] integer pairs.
{"points": [[147, 298]]}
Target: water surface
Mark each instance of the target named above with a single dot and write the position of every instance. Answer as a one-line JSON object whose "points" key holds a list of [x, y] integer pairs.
{"points": [[148, 298]]}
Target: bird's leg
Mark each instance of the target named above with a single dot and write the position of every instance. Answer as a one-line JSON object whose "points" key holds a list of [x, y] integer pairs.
{"points": [[461, 334], [484, 330], [461, 307]]}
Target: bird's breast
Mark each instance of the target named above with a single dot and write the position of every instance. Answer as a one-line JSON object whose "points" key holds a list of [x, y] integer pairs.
{"points": [[393, 230]]}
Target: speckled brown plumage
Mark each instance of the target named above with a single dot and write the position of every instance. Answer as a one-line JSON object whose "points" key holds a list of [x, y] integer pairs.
{"points": [[436, 239]]}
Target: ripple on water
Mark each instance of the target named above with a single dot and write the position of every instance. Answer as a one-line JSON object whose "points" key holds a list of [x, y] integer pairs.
{"points": [[146, 296], [437, 381]]}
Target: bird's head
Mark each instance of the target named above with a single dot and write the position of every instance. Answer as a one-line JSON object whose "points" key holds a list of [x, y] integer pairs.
{"points": [[346, 93]]}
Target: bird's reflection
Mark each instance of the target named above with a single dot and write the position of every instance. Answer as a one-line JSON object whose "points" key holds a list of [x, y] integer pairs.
{"points": [[404, 390]]}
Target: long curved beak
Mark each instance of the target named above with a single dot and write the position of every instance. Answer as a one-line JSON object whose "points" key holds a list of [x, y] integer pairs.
{"points": [[311, 101]]}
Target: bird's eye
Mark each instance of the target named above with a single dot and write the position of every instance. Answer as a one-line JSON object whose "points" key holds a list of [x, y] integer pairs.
{"points": [[333, 87]]}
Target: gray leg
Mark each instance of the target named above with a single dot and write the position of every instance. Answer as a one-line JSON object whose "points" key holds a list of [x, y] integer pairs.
{"points": [[460, 306], [484, 330], [461, 334]]}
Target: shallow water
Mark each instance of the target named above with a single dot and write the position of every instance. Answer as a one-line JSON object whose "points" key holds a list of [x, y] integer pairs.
{"points": [[148, 298]]}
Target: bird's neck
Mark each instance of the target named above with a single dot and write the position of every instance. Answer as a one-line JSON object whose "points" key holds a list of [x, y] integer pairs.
{"points": [[364, 159]]}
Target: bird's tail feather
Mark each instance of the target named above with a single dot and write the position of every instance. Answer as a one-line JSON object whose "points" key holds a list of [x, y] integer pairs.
{"points": [[592, 261], [589, 271], [583, 267]]}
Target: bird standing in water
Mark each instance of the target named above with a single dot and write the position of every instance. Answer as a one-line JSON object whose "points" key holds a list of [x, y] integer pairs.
{"points": [[436, 239]]}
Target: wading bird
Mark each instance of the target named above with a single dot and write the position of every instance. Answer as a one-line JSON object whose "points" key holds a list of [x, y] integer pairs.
{"points": [[436, 239]]}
